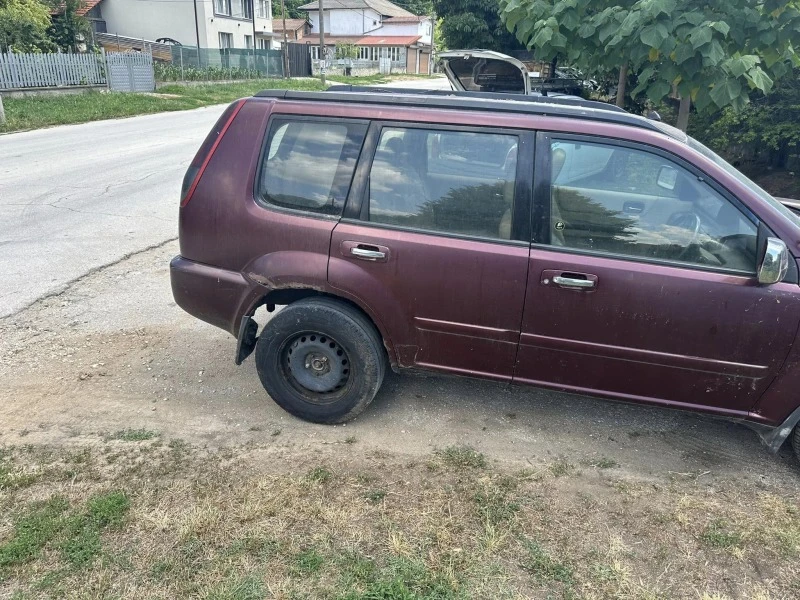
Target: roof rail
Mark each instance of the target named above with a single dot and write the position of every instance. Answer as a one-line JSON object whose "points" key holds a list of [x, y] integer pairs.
{"points": [[565, 99], [508, 103]]}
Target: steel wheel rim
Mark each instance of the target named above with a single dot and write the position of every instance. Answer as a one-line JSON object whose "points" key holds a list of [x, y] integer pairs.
{"points": [[316, 366]]}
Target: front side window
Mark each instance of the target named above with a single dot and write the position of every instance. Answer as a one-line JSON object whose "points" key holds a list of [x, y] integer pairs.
{"points": [[309, 164], [448, 181], [620, 200]]}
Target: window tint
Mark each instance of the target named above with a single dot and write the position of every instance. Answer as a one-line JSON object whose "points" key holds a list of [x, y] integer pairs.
{"points": [[448, 181], [608, 198], [309, 164]]}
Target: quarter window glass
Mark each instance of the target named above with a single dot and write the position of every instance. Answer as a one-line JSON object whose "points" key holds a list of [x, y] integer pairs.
{"points": [[449, 181], [612, 199], [309, 164]]}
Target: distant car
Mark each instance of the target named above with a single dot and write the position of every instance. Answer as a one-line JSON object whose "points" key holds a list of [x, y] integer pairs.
{"points": [[167, 40], [559, 243]]}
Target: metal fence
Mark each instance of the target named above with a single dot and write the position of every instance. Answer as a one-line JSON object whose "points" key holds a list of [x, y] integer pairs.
{"points": [[130, 71], [192, 63], [20, 71]]}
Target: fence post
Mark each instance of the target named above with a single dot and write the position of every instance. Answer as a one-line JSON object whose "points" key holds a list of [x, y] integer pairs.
{"points": [[2, 111], [183, 77], [106, 69]]}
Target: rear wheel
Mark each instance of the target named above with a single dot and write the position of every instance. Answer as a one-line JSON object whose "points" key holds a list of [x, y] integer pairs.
{"points": [[321, 360]]}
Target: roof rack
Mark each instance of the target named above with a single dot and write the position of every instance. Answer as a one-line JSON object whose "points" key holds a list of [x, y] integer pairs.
{"points": [[543, 99], [509, 103]]}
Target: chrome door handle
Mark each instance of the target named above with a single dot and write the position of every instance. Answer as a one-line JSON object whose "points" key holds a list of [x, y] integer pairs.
{"points": [[575, 283], [368, 254]]}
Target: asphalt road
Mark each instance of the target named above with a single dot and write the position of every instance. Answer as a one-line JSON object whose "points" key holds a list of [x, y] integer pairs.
{"points": [[78, 197]]}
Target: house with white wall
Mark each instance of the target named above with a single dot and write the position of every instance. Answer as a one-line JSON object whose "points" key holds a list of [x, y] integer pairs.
{"points": [[378, 29], [204, 23]]}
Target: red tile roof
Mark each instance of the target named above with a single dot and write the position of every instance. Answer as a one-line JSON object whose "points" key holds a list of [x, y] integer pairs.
{"points": [[84, 8], [291, 24]]}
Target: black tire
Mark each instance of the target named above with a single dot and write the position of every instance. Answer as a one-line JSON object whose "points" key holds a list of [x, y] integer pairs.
{"points": [[796, 441], [325, 344]]}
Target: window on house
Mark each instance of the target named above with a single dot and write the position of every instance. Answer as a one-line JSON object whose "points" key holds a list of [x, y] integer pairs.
{"points": [[225, 40], [248, 42], [309, 164], [247, 9], [263, 10], [222, 7], [449, 181], [620, 200], [263, 44]]}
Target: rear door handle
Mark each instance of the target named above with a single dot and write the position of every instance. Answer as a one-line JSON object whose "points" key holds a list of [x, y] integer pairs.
{"points": [[569, 279], [368, 254], [364, 251]]}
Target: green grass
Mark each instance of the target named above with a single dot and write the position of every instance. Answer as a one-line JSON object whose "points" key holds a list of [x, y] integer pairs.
{"points": [[320, 475], [719, 534], [35, 112], [463, 457], [75, 533], [539, 563], [133, 435]]}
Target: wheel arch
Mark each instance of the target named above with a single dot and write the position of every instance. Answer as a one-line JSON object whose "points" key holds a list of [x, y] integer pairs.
{"points": [[287, 296]]}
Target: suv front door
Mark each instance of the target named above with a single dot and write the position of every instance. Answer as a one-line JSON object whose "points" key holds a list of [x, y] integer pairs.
{"points": [[435, 243], [642, 282]]}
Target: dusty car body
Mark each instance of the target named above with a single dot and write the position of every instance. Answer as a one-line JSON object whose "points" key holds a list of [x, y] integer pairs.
{"points": [[561, 245]]}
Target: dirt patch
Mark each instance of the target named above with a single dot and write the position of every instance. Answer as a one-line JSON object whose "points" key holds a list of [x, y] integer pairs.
{"points": [[444, 488]]}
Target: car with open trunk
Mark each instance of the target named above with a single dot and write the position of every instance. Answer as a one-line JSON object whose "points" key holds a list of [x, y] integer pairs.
{"points": [[560, 243]]}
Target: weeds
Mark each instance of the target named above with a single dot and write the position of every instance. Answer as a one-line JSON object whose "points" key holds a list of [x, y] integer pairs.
{"points": [[719, 534], [320, 475], [134, 435], [463, 457]]}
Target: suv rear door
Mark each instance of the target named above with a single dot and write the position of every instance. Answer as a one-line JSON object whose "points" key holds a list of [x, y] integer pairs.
{"points": [[642, 281], [434, 241], [485, 71]]}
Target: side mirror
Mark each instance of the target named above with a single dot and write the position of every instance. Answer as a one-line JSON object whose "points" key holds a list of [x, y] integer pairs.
{"points": [[667, 178], [774, 263]]}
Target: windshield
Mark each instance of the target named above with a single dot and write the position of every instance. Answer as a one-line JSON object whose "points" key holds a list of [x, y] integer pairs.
{"points": [[755, 188]]}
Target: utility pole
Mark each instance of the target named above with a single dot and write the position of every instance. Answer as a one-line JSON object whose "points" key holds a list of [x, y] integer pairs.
{"points": [[321, 43], [285, 43]]}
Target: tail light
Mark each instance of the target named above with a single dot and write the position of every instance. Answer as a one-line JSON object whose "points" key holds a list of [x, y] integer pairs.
{"points": [[206, 151]]}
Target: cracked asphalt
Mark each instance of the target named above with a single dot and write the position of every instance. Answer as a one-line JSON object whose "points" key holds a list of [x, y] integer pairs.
{"points": [[79, 197]]}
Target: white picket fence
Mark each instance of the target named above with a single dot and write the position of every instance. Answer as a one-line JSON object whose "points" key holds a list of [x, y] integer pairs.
{"points": [[20, 71]]}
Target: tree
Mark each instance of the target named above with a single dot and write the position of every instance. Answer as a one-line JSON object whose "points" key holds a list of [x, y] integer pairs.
{"points": [[714, 53], [69, 30], [474, 24], [23, 26], [292, 9]]}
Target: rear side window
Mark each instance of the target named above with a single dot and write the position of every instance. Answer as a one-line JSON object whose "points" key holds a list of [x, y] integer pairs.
{"points": [[448, 181], [309, 164]]}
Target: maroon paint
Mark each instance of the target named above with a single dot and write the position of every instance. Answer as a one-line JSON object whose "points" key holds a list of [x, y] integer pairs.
{"points": [[456, 305]]}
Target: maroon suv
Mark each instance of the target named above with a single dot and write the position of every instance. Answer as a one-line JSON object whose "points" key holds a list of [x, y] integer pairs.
{"points": [[559, 243]]}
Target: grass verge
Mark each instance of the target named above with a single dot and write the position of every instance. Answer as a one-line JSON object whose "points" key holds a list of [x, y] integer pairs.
{"points": [[35, 112], [156, 520]]}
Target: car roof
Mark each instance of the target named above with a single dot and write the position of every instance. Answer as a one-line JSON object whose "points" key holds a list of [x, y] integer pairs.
{"points": [[480, 101]]}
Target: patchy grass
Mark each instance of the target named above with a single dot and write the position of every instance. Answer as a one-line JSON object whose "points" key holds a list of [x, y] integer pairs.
{"points": [[464, 457], [134, 435], [719, 534], [154, 521]]}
